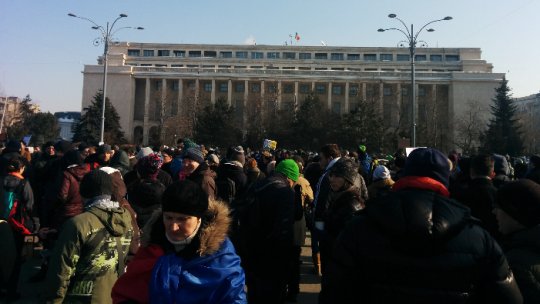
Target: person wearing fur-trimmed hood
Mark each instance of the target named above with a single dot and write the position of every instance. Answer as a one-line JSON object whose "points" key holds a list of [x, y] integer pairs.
{"points": [[185, 254]]}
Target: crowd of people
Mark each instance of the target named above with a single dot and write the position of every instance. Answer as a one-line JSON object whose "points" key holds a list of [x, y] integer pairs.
{"points": [[190, 224]]}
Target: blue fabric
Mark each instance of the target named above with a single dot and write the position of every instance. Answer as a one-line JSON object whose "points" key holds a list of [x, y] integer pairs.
{"points": [[176, 166], [216, 278]]}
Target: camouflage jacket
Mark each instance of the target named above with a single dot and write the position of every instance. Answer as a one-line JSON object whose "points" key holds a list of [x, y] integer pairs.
{"points": [[84, 265]]}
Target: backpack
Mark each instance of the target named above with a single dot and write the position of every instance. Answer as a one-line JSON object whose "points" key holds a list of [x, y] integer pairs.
{"points": [[226, 189], [13, 211]]}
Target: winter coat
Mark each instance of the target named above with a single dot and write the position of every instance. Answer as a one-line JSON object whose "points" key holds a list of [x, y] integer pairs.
{"points": [[145, 198], [235, 172], [300, 224], [480, 198], [120, 161], [205, 178], [70, 202], [85, 261], [132, 177], [208, 268], [380, 187], [522, 249], [417, 246], [341, 208], [534, 175], [12, 183]]}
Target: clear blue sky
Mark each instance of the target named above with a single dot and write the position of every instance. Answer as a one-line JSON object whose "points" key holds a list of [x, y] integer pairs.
{"points": [[43, 51]]}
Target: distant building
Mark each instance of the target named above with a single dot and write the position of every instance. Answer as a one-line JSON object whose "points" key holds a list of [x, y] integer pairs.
{"points": [[528, 111], [10, 109], [66, 121], [141, 76]]}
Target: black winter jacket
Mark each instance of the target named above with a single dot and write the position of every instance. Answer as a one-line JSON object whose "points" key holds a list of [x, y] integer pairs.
{"points": [[415, 246]]}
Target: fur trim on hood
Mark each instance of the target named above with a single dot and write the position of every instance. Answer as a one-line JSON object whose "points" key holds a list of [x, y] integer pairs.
{"points": [[213, 232]]}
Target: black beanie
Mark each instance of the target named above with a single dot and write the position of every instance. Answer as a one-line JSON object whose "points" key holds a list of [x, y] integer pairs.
{"points": [[96, 183], [345, 168], [521, 200], [428, 162], [194, 154], [185, 197]]}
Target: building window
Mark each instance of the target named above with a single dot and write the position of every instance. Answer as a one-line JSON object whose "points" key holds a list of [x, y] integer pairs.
{"points": [[194, 54], [146, 64], [452, 57], [148, 53], [160, 65], [305, 88], [271, 88], [387, 91], [289, 55], [210, 54], [404, 91], [304, 56], [321, 56], [370, 57], [179, 53], [257, 55], [288, 88], [402, 57], [239, 88], [353, 56], [226, 54], [272, 55], [255, 88], [242, 55], [386, 57], [135, 53], [435, 57], [191, 85], [336, 56], [420, 58], [337, 90], [223, 87], [175, 86], [207, 87], [353, 90], [336, 107], [164, 53], [421, 91], [320, 88]]}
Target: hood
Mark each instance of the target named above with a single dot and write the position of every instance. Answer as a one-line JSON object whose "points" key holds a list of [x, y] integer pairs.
{"points": [[78, 171], [418, 218], [212, 234], [117, 221], [120, 159]]}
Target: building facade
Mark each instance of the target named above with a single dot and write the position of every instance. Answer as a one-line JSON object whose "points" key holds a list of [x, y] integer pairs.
{"points": [[66, 121], [528, 111], [10, 109], [150, 81]]}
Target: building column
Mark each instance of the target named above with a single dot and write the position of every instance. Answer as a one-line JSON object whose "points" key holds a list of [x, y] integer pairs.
{"points": [[329, 101], [164, 99], [381, 98], [197, 94], [244, 108], [296, 101], [279, 94], [397, 104], [146, 119], [347, 97], [229, 93], [180, 96], [364, 93], [213, 94]]}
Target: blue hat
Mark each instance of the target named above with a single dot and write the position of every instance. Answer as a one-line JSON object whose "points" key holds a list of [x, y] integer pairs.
{"points": [[428, 162]]}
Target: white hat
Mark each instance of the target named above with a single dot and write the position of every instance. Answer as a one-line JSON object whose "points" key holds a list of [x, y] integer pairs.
{"points": [[144, 152], [381, 172]]}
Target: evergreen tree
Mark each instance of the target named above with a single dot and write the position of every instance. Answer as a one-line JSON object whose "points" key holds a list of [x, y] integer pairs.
{"points": [[89, 127], [313, 125], [503, 135], [215, 125], [363, 125]]}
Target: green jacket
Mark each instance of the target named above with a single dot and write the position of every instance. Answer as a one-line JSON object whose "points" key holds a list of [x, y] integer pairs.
{"points": [[84, 264]]}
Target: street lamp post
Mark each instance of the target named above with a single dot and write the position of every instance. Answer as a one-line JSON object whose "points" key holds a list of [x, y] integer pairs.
{"points": [[106, 37], [412, 40]]}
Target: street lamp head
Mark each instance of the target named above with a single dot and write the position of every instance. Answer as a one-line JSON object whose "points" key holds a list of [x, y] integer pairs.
{"points": [[430, 30], [381, 30], [139, 28], [123, 15], [392, 16], [72, 15], [95, 27], [447, 18]]}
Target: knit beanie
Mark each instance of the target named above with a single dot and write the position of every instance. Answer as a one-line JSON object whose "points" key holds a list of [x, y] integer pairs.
{"points": [[96, 183], [380, 173], [144, 152], [212, 159], [185, 197], [289, 168], [521, 200], [428, 162], [345, 168], [62, 146], [500, 165], [103, 149], [149, 165], [194, 154]]}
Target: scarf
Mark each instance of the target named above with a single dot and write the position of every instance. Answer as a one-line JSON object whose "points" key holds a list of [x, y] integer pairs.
{"points": [[421, 182], [102, 202], [180, 245]]}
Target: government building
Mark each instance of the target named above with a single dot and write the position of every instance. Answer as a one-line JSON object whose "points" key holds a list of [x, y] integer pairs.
{"points": [[151, 82]]}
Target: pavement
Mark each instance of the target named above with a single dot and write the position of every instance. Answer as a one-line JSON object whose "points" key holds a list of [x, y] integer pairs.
{"points": [[309, 282]]}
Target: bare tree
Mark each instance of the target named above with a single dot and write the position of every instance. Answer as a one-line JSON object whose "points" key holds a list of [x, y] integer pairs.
{"points": [[469, 127]]}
